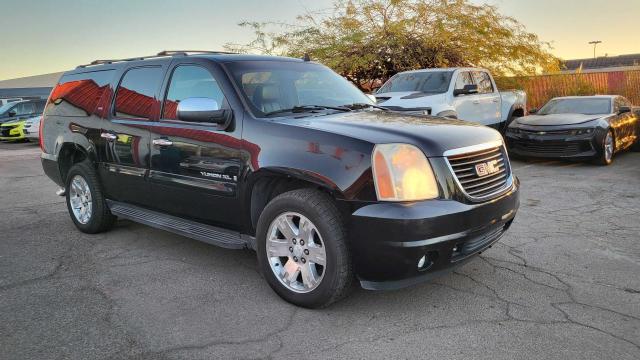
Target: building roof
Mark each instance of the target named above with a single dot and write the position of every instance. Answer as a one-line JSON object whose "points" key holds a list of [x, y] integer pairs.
{"points": [[603, 62], [38, 81]]}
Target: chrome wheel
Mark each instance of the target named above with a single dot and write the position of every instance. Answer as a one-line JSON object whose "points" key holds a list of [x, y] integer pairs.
{"points": [[296, 252], [80, 199], [608, 147]]}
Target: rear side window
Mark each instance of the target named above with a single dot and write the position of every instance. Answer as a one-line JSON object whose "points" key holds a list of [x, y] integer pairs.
{"points": [[484, 82], [79, 94], [189, 81], [136, 95]]}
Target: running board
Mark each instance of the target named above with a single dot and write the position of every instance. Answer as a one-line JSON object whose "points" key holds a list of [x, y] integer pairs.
{"points": [[188, 228]]}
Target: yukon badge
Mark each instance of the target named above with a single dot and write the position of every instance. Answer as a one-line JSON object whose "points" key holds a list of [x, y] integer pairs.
{"points": [[488, 168]]}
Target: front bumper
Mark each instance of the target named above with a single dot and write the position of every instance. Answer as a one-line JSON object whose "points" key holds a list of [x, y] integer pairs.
{"points": [[389, 239], [12, 132], [555, 146]]}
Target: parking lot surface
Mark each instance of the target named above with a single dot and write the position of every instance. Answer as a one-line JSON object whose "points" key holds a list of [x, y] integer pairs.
{"points": [[564, 283]]}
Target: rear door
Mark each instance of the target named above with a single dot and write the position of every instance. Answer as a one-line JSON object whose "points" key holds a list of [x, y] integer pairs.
{"points": [[124, 139], [195, 167], [466, 105], [488, 100]]}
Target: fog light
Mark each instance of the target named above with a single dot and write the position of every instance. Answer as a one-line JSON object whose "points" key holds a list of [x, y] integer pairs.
{"points": [[422, 261]]}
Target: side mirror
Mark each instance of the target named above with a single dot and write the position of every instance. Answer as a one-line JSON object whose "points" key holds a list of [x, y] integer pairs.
{"points": [[202, 110], [12, 113], [467, 90], [372, 97], [624, 109], [533, 111]]}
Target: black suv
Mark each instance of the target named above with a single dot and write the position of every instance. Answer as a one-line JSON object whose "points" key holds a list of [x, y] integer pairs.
{"points": [[279, 155]]}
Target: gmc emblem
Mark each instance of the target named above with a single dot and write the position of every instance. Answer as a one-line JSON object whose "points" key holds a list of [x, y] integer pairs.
{"points": [[488, 168]]}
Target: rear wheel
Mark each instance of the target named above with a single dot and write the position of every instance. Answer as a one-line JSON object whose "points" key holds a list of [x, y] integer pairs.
{"points": [[85, 201], [302, 249], [607, 150]]}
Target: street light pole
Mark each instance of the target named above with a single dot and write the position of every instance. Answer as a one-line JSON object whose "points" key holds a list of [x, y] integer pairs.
{"points": [[595, 43]]}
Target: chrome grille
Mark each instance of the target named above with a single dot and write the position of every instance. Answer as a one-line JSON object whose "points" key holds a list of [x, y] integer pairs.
{"points": [[474, 185]]}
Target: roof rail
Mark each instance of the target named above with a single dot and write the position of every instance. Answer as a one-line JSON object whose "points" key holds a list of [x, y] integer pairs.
{"points": [[187, 52], [160, 54]]}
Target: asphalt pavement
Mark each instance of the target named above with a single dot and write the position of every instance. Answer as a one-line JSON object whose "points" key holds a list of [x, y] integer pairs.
{"points": [[564, 283]]}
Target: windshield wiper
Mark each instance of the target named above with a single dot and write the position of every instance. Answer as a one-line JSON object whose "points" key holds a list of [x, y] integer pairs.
{"points": [[358, 106], [306, 108]]}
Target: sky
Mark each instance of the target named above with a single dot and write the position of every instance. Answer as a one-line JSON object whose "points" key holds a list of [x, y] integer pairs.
{"points": [[44, 36]]}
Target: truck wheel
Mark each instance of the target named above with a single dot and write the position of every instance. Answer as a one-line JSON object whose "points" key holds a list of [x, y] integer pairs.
{"points": [[607, 150], [86, 204], [302, 249]]}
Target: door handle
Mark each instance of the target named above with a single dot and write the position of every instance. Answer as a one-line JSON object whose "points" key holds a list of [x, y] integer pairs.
{"points": [[495, 100], [162, 142], [476, 102], [108, 136]]}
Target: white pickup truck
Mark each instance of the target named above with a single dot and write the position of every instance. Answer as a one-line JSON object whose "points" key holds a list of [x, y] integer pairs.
{"points": [[461, 93]]}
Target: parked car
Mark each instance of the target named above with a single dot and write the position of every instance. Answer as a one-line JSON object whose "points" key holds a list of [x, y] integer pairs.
{"points": [[279, 155], [32, 127], [460, 93], [4, 102], [577, 127], [21, 110], [12, 130]]}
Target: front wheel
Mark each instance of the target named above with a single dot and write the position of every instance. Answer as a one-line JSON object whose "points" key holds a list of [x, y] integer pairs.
{"points": [[607, 150], [302, 249]]}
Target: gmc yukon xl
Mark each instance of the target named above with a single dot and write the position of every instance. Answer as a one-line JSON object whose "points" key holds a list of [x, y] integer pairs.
{"points": [[278, 155]]}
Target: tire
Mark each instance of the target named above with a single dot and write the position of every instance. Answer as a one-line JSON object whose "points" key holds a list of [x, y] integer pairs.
{"points": [[334, 277], [82, 179], [606, 157]]}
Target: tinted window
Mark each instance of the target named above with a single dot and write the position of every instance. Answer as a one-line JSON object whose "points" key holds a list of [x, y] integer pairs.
{"points": [[277, 85], [136, 94], [79, 94], [189, 81], [484, 82], [588, 106], [26, 108], [428, 82], [464, 78]]}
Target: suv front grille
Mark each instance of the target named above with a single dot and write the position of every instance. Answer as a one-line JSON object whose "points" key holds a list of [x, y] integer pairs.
{"points": [[476, 184]]}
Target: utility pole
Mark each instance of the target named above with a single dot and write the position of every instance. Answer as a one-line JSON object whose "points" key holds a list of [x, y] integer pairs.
{"points": [[595, 43]]}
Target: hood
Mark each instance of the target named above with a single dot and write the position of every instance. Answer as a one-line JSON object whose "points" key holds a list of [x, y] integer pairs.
{"points": [[433, 135], [410, 99], [12, 122], [557, 119]]}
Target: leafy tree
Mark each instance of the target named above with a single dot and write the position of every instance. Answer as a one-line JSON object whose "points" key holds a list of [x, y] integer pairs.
{"points": [[368, 41]]}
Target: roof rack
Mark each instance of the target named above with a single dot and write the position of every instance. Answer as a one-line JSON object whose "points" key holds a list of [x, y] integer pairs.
{"points": [[163, 53]]}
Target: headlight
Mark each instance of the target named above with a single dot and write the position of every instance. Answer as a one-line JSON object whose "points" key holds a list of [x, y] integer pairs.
{"points": [[582, 131], [401, 172]]}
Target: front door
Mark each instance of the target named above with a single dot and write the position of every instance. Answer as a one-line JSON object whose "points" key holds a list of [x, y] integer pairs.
{"points": [[487, 100], [195, 167], [466, 105]]}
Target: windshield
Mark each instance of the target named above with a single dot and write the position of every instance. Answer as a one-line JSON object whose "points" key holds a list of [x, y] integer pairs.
{"points": [[587, 106], [5, 107], [272, 87], [428, 82]]}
